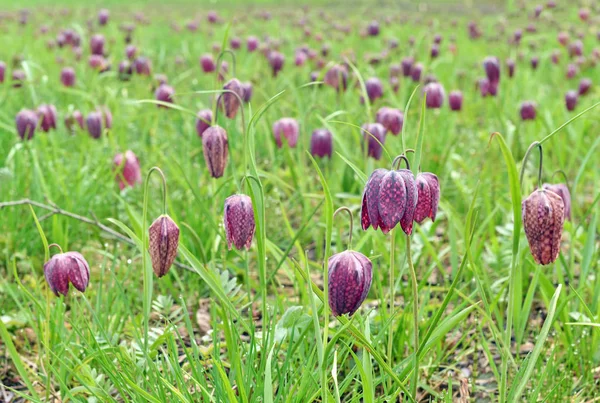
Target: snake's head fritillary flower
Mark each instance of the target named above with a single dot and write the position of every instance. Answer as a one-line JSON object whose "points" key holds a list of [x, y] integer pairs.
{"points": [[67, 77], [491, 65], [373, 28], [204, 121], [391, 118], [576, 48], [299, 58], [416, 71], [321, 143], [228, 102], [98, 63], [252, 43], [94, 124], [247, 90], [2, 71], [407, 64], [276, 60], [125, 70], [142, 66], [563, 191], [374, 89], [455, 99], [164, 93], [67, 268], [374, 136], [235, 43], [74, 119], [97, 44], [130, 52], [428, 197], [207, 63], [572, 70], [543, 218], [584, 14], [528, 110], [484, 86], [510, 64], [47, 115], [397, 200], [584, 86], [103, 16], [563, 38], [127, 168], [571, 100], [27, 121], [238, 219], [337, 77], [212, 17], [435, 95], [350, 274], [288, 128], [534, 62], [163, 241], [370, 200], [215, 148], [435, 51]]}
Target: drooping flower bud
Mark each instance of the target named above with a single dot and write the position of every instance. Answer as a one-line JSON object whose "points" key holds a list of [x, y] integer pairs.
{"points": [[142, 66], [252, 43], [103, 16], [428, 198], [67, 77], [435, 95], [94, 124], [235, 43], [491, 64], [98, 63], [26, 121], [130, 52], [288, 128], [127, 168], [47, 114], [204, 121], [215, 149], [350, 274], [543, 218], [455, 99], [528, 111], [391, 118], [510, 64], [435, 51], [67, 268], [97, 45], [228, 102], [484, 87], [125, 70], [563, 191], [247, 90], [207, 63], [373, 135], [571, 100], [416, 71], [374, 89], [584, 86], [238, 219], [276, 61], [407, 64], [373, 28], [337, 77], [534, 62], [321, 143], [164, 93], [163, 241], [74, 118], [2, 71]]}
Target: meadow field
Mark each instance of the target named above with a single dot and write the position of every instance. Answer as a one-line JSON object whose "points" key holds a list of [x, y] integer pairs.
{"points": [[238, 201]]}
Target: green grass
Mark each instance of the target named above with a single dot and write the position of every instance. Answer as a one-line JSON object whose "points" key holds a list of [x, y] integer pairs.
{"points": [[256, 326]]}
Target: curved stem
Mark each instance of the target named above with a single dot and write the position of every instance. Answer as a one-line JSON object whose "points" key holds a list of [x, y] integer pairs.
{"points": [[415, 297], [529, 150], [219, 62], [346, 209], [560, 171], [55, 245], [399, 158], [164, 181]]}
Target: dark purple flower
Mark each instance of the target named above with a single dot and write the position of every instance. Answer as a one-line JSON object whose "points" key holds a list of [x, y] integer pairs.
{"points": [[204, 121], [435, 51], [26, 121], [163, 241], [321, 143], [247, 90], [127, 168], [374, 137], [67, 268], [142, 66], [517, 35], [571, 100], [543, 215], [235, 43], [103, 16], [47, 115], [391, 118], [576, 48], [563, 191], [538, 10], [130, 52], [373, 28], [288, 128], [67, 77], [584, 14], [215, 148], [534, 62], [484, 86], [572, 70], [72, 118], [428, 196], [437, 39], [164, 93], [510, 64], [207, 63], [98, 63], [491, 64], [238, 220], [350, 274], [337, 77], [455, 99], [2, 71], [407, 64], [212, 17], [229, 102], [252, 43], [416, 71], [395, 83], [276, 61], [563, 38], [528, 110], [94, 124], [584, 86], [435, 95], [374, 89], [97, 44]]}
